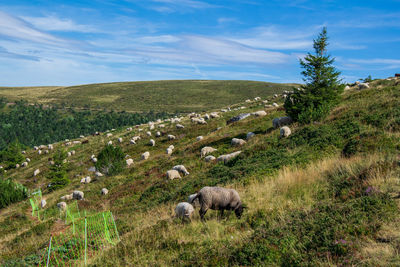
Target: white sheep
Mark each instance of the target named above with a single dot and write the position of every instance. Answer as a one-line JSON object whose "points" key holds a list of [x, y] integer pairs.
{"points": [[259, 113], [109, 143], [24, 164], [237, 142], [207, 150], [275, 105], [228, 157], [184, 211], [158, 134], [171, 137], [129, 162], [109, 134], [169, 151], [181, 169], [209, 158], [145, 155], [78, 195], [199, 138], [179, 126], [152, 142], [98, 174], [66, 197], [173, 174], [214, 115], [86, 180], [104, 191], [62, 205], [171, 147], [36, 172], [148, 133], [285, 131], [362, 86], [119, 140]]}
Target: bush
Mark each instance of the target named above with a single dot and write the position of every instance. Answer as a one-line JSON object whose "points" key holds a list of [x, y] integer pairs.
{"points": [[11, 192], [11, 156], [110, 160], [58, 172]]}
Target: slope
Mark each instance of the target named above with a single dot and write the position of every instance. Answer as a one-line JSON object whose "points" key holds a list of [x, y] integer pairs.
{"points": [[326, 195], [170, 96]]}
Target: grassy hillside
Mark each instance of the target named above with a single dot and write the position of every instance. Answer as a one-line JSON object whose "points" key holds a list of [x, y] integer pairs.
{"points": [[326, 195], [169, 96]]}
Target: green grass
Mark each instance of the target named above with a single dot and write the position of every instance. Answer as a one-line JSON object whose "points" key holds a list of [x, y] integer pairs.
{"points": [[315, 198], [169, 96]]}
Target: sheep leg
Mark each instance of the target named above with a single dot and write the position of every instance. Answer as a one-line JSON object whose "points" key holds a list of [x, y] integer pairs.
{"points": [[221, 214], [202, 212]]}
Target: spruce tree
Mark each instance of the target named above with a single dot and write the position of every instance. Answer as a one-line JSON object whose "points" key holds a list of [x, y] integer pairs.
{"points": [[322, 88]]}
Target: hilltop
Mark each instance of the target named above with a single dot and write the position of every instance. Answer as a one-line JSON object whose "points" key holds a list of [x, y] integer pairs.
{"points": [[326, 195], [169, 96]]}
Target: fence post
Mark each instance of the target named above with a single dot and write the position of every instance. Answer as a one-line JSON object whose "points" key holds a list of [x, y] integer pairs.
{"points": [[48, 252], [85, 238]]}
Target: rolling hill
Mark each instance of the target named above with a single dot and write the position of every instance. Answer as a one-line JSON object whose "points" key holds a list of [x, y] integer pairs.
{"points": [[169, 96], [329, 194]]}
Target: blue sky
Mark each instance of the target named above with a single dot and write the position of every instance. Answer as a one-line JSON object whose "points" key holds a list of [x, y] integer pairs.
{"points": [[76, 42]]}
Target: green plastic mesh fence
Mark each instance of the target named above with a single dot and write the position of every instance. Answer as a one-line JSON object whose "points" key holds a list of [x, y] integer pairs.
{"points": [[72, 213], [84, 238], [35, 199]]}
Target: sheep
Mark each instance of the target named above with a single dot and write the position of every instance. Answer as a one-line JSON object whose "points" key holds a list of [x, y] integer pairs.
{"points": [[179, 126], [214, 115], [362, 86], [43, 203], [69, 154], [259, 113], [42, 147], [181, 169], [35, 148], [161, 126], [218, 198], [109, 134], [50, 147], [68, 144], [78, 195], [104, 191], [66, 197], [86, 180], [17, 166], [51, 162], [172, 147], [199, 138], [347, 88], [28, 160], [23, 152], [152, 142], [24, 164], [281, 121], [129, 162], [228, 157], [72, 152], [129, 129], [237, 142], [191, 199], [207, 150], [145, 155], [275, 105], [36, 172], [248, 101], [250, 135], [257, 98], [209, 158], [265, 101], [171, 137], [120, 140], [224, 110], [158, 134], [275, 95], [94, 160], [285, 131], [62, 205], [151, 127], [109, 143], [40, 152], [169, 151], [148, 133], [76, 142], [98, 174], [132, 142], [173, 174], [184, 211], [206, 116], [136, 138]]}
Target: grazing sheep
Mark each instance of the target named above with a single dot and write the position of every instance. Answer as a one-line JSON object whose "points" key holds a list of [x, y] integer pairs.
{"points": [[181, 169], [224, 110], [136, 138], [145, 155], [161, 126], [218, 198], [66, 197], [72, 152], [158, 134], [40, 152], [43, 203], [275, 105], [35, 148], [362, 86], [104, 191], [171, 137], [199, 138], [347, 88], [62, 205], [169, 151], [172, 147], [132, 142], [69, 154], [152, 142], [36, 172], [28, 160], [248, 101], [24, 164], [129, 129], [179, 126], [78, 195], [98, 174], [151, 127], [68, 144], [23, 152], [94, 160], [193, 200], [51, 162], [76, 142], [275, 95], [109, 134], [237, 142], [173, 174], [214, 115], [109, 143], [259, 113], [285, 131], [17, 166], [238, 118], [207, 150], [86, 180], [257, 98], [250, 135], [265, 101], [184, 211], [129, 162], [281, 121], [148, 133], [120, 140], [206, 117], [228, 157], [209, 158], [50, 147]]}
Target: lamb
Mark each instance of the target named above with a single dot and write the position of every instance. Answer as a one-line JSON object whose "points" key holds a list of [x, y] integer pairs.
{"points": [[285, 131], [281, 121], [152, 142], [237, 142], [181, 169], [78, 195], [129, 162], [250, 135], [191, 199], [207, 150], [171, 137], [145, 155], [173, 174], [218, 198], [228, 157], [209, 158], [184, 211]]}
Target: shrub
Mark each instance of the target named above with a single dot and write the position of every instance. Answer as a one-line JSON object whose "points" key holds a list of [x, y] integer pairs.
{"points": [[11, 156], [58, 172], [110, 160], [11, 192]]}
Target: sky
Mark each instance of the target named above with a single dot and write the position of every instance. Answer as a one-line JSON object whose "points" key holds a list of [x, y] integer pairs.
{"points": [[94, 41]]}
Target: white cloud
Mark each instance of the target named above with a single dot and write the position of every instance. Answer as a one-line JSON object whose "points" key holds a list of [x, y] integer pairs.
{"points": [[53, 23]]}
